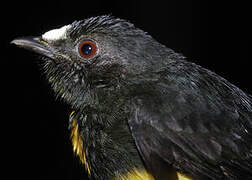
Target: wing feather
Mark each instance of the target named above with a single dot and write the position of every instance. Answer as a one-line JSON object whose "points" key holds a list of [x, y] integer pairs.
{"points": [[196, 122]]}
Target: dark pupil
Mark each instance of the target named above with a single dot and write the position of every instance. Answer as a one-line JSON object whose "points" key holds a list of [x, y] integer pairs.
{"points": [[86, 49]]}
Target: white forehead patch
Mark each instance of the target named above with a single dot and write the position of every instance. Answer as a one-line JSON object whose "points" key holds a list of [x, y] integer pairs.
{"points": [[56, 34]]}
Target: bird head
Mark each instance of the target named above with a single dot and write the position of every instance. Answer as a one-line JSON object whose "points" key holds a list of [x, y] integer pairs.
{"points": [[99, 53]]}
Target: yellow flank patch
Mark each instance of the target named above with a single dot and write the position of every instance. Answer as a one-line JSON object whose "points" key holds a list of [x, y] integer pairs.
{"points": [[78, 144], [142, 174], [183, 177], [135, 174]]}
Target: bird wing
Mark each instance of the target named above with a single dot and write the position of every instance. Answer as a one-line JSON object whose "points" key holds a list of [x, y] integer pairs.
{"points": [[195, 122]]}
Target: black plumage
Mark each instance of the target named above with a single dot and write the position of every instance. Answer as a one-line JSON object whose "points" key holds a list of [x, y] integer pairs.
{"points": [[140, 105]]}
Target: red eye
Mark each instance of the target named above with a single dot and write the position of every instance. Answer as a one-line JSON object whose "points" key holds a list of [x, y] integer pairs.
{"points": [[87, 49]]}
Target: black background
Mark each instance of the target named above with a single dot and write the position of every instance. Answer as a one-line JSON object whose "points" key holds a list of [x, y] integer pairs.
{"points": [[35, 136]]}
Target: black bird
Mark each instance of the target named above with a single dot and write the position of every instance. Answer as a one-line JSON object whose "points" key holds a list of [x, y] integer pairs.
{"points": [[142, 111]]}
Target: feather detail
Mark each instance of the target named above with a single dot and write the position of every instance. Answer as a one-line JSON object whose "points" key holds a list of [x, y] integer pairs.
{"points": [[77, 142], [135, 174]]}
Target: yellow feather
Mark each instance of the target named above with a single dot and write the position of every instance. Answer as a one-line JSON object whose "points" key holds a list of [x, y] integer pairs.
{"points": [[182, 176], [78, 144], [135, 174], [142, 174]]}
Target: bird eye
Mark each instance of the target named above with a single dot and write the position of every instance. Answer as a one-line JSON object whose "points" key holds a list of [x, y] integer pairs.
{"points": [[87, 49]]}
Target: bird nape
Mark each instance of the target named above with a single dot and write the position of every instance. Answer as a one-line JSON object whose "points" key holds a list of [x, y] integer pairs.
{"points": [[142, 111]]}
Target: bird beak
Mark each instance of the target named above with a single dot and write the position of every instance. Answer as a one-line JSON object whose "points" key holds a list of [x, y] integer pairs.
{"points": [[35, 44]]}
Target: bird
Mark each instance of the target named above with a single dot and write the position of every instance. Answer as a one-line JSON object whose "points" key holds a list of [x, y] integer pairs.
{"points": [[141, 111]]}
